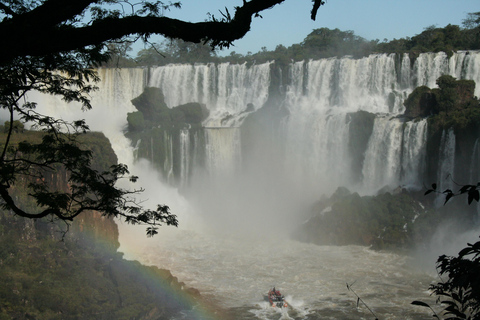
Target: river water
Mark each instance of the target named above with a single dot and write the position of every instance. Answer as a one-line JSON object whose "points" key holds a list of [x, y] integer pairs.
{"points": [[235, 272]]}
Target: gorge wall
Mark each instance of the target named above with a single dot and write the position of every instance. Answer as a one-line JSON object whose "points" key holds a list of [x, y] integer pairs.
{"points": [[50, 270]]}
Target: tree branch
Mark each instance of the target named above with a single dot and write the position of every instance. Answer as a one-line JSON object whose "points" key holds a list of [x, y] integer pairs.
{"points": [[39, 40], [10, 204]]}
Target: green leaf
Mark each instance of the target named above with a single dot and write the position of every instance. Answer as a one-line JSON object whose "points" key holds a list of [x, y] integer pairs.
{"points": [[420, 303]]}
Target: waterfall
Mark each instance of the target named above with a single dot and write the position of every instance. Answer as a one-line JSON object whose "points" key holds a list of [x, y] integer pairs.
{"points": [[223, 152], [303, 126], [321, 92], [168, 160], [405, 72], [347, 84], [429, 67], [447, 160], [381, 167], [184, 156], [225, 89], [414, 152]]}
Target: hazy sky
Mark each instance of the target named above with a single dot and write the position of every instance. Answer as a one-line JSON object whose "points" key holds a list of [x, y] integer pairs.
{"points": [[290, 22]]}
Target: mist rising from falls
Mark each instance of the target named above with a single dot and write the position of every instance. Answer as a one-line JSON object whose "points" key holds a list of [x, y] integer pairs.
{"points": [[285, 141]]}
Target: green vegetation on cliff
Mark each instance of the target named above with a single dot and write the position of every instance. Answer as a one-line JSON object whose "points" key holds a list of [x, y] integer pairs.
{"points": [[51, 270], [80, 277], [451, 104], [320, 43], [452, 107]]}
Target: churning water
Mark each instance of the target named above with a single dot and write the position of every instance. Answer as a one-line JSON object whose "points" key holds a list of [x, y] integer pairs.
{"points": [[236, 271]]}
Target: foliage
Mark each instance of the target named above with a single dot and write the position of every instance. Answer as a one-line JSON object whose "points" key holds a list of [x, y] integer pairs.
{"points": [[447, 96], [323, 43], [472, 21], [119, 55], [460, 290], [452, 104], [136, 121], [193, 113], [151, 103], [472, 192], [18, 126], [84, 24], [432, 39], [176, 51], [153, 111]]}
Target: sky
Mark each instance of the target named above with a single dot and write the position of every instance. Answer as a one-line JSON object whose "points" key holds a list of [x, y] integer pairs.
{"points": [[289, 22]]}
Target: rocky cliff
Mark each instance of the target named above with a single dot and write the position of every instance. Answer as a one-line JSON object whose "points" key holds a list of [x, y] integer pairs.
{"points": [[49, 270], [403, 218]]}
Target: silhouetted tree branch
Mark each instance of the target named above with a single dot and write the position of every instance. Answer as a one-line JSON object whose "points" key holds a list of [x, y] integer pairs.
{"points": [[52, 46], [47, 29]]}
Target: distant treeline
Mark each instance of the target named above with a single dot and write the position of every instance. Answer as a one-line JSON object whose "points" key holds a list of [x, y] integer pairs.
{"points": [[320, 43]]}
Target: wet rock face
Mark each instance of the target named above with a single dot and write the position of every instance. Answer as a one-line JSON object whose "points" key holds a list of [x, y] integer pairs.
{"points": [[420, 103], [50, 269]]}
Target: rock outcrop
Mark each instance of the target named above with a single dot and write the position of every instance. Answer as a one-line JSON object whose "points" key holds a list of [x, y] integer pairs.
{"points": [[51, 270]]}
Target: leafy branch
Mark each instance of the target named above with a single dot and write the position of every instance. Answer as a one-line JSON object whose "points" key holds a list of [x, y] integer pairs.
{"points": [[471, 190]]}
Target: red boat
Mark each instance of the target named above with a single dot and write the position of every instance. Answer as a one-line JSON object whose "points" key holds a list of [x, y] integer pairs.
{"points": [[276, 299]]}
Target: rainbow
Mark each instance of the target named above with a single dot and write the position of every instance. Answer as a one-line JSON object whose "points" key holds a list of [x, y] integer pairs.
{"points": [[101, 234]]}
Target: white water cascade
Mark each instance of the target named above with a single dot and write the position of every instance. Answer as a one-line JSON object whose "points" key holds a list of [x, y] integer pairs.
{"points": [[445, 171], [232, 241], [414, 152], [383, 153], [225, 89]]}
